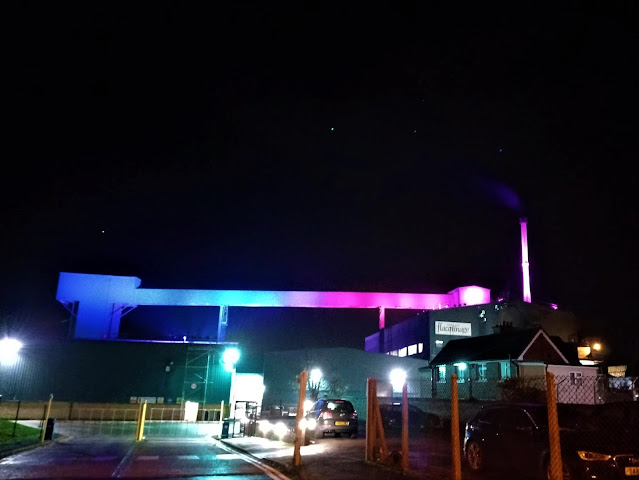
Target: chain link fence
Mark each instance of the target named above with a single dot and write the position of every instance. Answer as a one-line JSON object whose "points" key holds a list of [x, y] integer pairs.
{"points": [[589, 422]]}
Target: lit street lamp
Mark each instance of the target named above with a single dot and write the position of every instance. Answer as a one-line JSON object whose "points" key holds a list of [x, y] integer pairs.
{"points": [[9, 348], [397, 378], [229, 358]]}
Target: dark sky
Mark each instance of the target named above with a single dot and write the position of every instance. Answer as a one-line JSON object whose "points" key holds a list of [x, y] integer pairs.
{"points": [[322, 147]]}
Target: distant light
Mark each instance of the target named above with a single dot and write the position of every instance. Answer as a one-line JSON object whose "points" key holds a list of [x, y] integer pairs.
{"points": [[332, 129], [587, 362], [9, 348], [311, 424], [231, 356], [184, 338], [554, 306], [308, 404], [398, 378], [439, 343], [280, 430], [461, 366], [265, 426], [597, 346], [315, 375]]}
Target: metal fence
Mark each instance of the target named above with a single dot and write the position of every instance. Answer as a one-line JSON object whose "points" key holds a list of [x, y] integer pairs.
{"points": [[543, 426], [98, 420]]}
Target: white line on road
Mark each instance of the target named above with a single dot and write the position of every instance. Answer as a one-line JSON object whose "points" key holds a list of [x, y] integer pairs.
{"points": [[188, 457], [128, 458], [147, 457], [269, 471]]}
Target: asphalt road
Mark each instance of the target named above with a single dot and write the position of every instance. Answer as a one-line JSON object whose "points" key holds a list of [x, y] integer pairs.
{"points": [[112, 458]]}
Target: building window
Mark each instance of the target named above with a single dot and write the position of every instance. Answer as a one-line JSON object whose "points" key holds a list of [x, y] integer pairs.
{"points": [[504, 370], [462, 372], [441, 374], [481, 372], [402, 352], [576, 378], [412, 349], [420, 347], [393, 353]]}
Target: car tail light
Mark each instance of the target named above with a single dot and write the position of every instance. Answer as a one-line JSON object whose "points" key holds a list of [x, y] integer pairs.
{"points": [[327, 415]]}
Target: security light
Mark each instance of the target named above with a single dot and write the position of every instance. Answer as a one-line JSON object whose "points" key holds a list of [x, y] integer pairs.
{"points": [[397, 378], [9, 348], [315, 375]]}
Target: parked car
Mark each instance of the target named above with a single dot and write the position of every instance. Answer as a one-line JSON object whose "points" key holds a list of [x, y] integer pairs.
{"points": [[417, 418], [515, 437], [622, 417], [331, 416]]}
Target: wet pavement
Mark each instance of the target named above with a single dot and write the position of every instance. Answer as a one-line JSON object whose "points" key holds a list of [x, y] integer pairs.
{"points": [[344, 458], [102, 458]]}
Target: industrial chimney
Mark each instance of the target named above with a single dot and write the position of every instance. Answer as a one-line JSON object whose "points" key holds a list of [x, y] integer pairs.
{"points": [[525, 266]]}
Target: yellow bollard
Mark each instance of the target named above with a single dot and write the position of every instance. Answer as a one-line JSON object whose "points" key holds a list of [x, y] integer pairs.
{"points": [[454, 427], [46, 418], [141, 418], [556, 467]]}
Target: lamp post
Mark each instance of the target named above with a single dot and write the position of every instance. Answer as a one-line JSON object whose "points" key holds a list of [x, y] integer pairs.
{"points": [[314, 383], [9, 348], [230, 358]]}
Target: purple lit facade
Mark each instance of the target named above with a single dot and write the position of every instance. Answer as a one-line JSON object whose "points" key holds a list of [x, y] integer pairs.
{"points": [[98, 302]]}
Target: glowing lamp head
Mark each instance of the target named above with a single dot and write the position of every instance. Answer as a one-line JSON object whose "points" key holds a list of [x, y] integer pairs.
{"points": [[230, 358], [315, 375], [398, 378], [597, 347], [9, 348]]}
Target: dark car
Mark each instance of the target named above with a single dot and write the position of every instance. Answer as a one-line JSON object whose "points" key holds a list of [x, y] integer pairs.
{"points": [[418, 419], [333, 416], [515, 437]]}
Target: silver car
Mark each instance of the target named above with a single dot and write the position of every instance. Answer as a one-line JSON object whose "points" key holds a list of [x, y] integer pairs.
{"points": [[332, 416]]}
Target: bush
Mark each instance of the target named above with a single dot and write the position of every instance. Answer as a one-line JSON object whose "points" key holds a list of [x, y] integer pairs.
{"points": [[521, 389]]}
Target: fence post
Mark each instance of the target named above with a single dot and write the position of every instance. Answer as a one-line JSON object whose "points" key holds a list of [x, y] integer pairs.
{"points": [[556, 468], [46, 418], [405, 428], [13, 434], [454, 427], [299, 435], [371, 391]]}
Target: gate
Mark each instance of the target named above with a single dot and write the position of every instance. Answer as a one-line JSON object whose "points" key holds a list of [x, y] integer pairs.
{"points": [[173, 422]]}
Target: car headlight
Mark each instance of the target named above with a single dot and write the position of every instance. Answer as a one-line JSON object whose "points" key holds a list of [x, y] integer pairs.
{"points": [[593, 456], [265, 426], [311, 424], [280, 430]]}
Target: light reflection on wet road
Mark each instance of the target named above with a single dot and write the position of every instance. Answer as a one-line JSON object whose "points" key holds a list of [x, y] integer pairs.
{"points": [[97, 459]]}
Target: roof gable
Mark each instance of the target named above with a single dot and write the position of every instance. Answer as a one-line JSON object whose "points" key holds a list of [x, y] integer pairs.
{"points": [[513, 344]]}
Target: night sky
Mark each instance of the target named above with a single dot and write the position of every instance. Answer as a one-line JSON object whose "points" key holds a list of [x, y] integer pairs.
{"points": [[320, 147]]}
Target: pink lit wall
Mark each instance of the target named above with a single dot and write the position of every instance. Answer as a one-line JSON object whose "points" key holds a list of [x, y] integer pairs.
{"points": [[525, 266], [102, 297]]}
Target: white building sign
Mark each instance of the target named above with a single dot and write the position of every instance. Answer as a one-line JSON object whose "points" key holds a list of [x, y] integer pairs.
{"points": [[453, 328]]}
